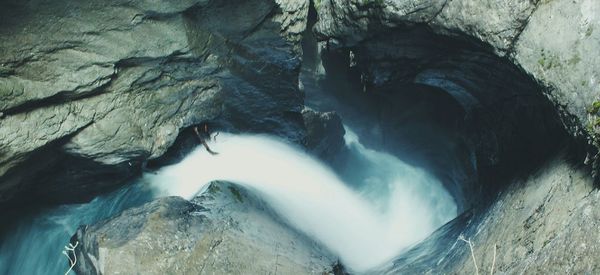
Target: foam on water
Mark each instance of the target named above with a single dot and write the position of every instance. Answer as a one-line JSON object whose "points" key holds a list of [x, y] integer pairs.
{"points": [[383, 207], [365, 226]]}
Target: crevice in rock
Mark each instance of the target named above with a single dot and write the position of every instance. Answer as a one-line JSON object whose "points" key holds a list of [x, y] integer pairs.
{"points": [[439, 12], [62, 97], [511, 48], [38, 164]]}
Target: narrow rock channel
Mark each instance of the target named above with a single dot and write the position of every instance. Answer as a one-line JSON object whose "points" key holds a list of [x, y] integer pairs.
{"points": [[351, 137]]}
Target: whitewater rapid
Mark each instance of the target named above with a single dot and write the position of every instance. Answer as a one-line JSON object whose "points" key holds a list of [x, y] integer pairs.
{"points": [[382, 206], [366, 225]]}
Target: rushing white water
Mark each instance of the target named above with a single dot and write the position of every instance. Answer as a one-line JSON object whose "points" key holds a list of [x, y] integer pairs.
{"points": [[384, 206], [366, 226], [34, 245]]}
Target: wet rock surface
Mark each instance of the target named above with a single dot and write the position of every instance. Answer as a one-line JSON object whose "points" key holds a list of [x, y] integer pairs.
{"points": [[112, 83], [449, 110], [544, 224], [546, 39], [499, 60], [224, 231], [508, 124], [91, 93], [324, 133]]}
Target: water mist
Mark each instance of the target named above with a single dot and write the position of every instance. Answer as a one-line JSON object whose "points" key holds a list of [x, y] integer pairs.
{"points": [[365, 225]]}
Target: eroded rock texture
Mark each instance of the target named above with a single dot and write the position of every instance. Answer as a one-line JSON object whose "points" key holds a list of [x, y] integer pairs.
{"points": [[90, 90], [224, 231], [324, 133], [522, 72], [544, 224], [447, 105], [552, 41]]}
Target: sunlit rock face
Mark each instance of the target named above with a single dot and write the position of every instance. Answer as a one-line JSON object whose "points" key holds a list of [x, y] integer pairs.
{"points": [[89, 91]]}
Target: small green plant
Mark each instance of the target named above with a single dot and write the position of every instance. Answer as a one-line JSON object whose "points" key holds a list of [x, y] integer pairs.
{"points": [[594, 121], [594, 108], [589, 31]]}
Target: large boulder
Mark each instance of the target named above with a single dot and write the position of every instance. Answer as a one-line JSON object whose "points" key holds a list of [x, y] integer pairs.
{"points": [[89, 91], [224, 231]]}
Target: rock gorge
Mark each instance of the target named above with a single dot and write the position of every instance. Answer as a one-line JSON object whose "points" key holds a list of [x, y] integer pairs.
{"points": [[94, 93]]}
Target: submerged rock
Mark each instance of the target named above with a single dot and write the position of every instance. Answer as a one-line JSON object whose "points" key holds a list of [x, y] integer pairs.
{"points": [[224, 231]]}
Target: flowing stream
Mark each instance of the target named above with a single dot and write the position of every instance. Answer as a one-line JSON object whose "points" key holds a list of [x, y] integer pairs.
{"points": [[382, 207], [34, 245], [365, 226]]}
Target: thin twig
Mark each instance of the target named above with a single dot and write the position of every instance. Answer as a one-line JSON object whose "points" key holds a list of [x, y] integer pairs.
{"points": [[493, 261], [71, 248], [462, 238], [204, 141]]}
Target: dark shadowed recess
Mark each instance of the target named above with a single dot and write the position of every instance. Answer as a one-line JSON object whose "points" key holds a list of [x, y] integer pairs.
{"points": [[445, 104]]}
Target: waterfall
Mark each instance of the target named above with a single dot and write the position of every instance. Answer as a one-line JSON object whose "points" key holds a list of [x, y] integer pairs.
{"points": [[365, 225], [382, 206]]}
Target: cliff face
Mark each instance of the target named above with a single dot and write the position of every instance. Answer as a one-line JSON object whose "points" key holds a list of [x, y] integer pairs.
{"points": [[542, 224], [91, 90], [523, 72], [552, 41]]}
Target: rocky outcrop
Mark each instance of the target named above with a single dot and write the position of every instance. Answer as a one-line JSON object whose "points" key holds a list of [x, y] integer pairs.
{"points": [[545, 224], [508, 125], [469, 117], [517, 70], [224, 231], [550, 40], [89, 91], [324, 133]]}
